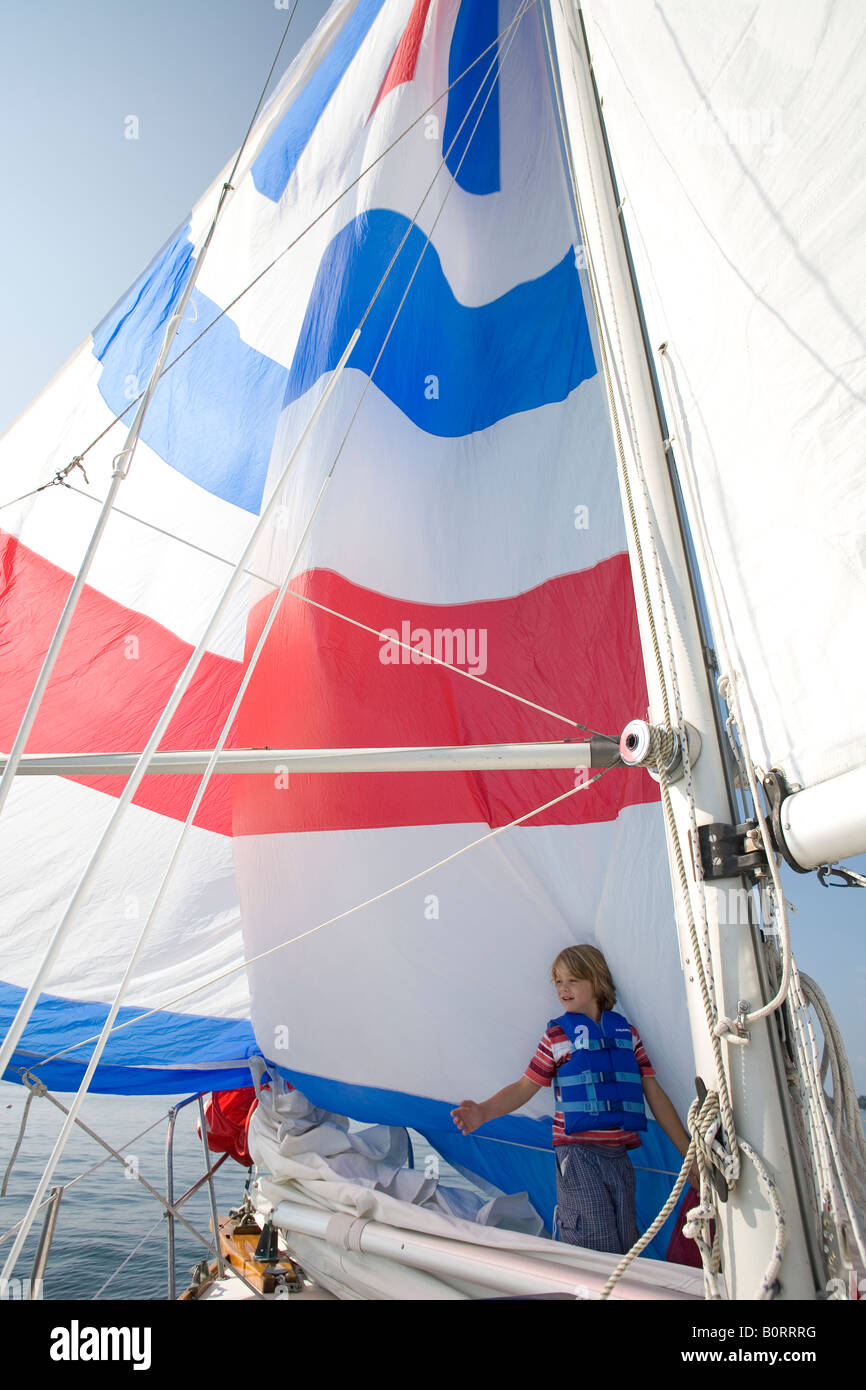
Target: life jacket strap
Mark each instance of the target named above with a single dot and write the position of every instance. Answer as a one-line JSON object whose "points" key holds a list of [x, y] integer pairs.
{"points": [[596, 1107], [604, 1078]]}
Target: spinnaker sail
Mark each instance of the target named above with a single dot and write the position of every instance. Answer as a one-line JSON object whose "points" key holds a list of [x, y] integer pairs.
{"points": [[399, 248], [473, 516]]}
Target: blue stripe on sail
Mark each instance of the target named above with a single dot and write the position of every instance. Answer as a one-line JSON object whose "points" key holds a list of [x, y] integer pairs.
{"points": [[477, 143], [514, 1153], [213, 416], [275, 165], [163, 1054], [452, 369]]}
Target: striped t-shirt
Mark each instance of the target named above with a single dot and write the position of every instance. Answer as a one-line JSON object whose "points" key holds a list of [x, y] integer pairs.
{"points": [[552, 1051]]}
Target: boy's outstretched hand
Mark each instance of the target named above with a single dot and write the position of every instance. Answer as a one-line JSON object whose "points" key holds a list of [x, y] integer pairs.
{"points": [[467, 1116]]}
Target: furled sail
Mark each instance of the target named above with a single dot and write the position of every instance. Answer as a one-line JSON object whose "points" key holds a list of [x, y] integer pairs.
{"points": [[739, 151], [456, 506]]}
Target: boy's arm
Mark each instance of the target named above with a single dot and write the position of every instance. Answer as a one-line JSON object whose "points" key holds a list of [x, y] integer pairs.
{"points": [[470, 1114], [662, 1107]]}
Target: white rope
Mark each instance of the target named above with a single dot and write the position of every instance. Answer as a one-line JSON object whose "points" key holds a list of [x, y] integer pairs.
{"points": [[703, 1123], [824, 1124], [833, 1182], [355, 622], [842, 1151], [767, 1288]]}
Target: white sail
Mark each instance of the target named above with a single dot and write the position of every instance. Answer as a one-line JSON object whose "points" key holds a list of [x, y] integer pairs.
{"points": [[739, 150]]}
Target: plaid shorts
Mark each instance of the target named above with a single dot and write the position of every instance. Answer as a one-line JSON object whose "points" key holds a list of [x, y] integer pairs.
{"points": [[595, 1198]]}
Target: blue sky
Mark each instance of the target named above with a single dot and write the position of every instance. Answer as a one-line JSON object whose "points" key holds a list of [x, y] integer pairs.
{"points": [[86, 209]]}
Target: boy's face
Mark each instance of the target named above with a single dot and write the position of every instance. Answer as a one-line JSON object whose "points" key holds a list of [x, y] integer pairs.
{"points": [[575, 995]]}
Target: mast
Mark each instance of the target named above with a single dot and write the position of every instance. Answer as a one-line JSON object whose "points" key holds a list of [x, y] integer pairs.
{"points": [[674, 658]]}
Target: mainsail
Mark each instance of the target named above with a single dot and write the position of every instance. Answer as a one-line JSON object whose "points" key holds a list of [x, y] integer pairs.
{"points": [[737, 141]]}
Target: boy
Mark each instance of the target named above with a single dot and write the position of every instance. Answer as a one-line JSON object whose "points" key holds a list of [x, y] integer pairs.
{"points": [[605, 1075]]}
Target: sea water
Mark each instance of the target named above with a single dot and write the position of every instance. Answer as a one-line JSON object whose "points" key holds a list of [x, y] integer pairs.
{"points": [[105, 1213]]}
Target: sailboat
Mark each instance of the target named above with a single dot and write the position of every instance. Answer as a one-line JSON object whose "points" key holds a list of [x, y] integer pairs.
{"points": [[403, 588]]}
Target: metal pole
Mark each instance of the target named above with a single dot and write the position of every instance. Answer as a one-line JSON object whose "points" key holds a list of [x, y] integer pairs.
{"points": [[213, 1205], [45, 1239], [169, 1213], [595, 752]]}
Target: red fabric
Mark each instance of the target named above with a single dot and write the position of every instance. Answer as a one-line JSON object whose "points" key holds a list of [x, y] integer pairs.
{"points": [[227, 1116], [550, 644], [100, 701], [541, 1071], [682, 1250], [402, 65]]}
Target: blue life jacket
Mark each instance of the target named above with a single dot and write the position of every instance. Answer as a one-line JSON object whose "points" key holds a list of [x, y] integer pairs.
{"points": [[599, 1086]]}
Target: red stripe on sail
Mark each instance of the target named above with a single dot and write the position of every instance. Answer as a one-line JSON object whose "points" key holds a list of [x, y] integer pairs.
{"points": [[114, 675], [570, 644], [402, 66]]}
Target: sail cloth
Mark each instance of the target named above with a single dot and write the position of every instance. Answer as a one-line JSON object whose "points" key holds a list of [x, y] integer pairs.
{"points": [[473, 515], [739, 148]]}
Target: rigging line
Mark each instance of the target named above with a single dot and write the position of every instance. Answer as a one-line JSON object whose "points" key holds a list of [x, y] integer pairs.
{"points": [[155, 1227], [303, 598], [28, 1003], [18, 1142], [827, 1140], [368, 902], [292, 244], [122, 464], [87, 1171], [458, 670], [24, 1224], [231, 177]]}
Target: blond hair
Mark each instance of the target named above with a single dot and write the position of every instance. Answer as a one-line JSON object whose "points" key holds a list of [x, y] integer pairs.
{"points": [[587, 963]]}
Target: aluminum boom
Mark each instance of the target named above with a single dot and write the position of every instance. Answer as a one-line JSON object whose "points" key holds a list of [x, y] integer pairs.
{"points": [[595, 753]]}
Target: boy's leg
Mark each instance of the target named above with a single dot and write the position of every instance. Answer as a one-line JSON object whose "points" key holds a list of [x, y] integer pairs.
{"points": [[620, 1180], [587, 1212]]}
